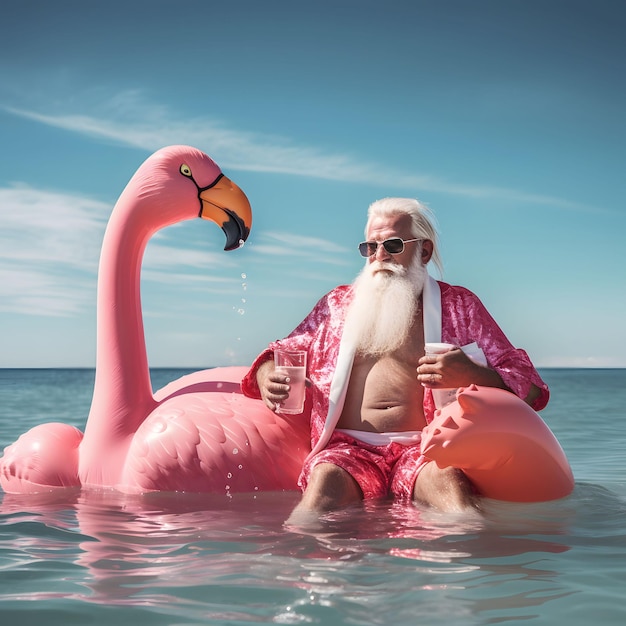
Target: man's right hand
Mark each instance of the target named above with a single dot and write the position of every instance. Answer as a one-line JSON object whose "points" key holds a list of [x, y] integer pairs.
{"points": [[273, 385]]}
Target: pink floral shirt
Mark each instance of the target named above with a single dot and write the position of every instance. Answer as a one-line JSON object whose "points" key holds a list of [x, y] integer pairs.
{"points": [[464, 320]]}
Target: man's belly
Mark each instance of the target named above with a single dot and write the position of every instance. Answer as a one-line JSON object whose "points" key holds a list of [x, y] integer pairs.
{"points": [[383, 396]]}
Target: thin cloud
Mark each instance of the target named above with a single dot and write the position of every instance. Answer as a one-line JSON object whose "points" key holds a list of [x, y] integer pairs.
{"points": [[130, 121], [41, 228], [50, 247], [37, 291], [583, 362], [160, 256], [282, 244], [49, 244]]}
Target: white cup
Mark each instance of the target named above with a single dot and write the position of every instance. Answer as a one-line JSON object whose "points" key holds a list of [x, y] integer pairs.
{"points": [[441, 397], [292, 363]]}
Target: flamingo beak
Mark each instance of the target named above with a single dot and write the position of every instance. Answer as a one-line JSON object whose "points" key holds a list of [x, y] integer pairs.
{"points": [[225, 204]]}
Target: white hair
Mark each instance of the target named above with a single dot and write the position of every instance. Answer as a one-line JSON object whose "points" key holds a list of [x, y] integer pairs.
{"points": [[423, 221]]}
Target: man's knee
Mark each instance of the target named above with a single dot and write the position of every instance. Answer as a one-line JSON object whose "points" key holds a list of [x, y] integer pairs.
{"points": [[445, 488], [329, 487]]}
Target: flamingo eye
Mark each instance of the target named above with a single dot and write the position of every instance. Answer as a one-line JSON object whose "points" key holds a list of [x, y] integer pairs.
{"points": [[185, 170]]}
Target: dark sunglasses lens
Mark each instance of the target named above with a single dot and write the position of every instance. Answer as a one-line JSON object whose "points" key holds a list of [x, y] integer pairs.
{"points": [[394, 246], [367, 249]]}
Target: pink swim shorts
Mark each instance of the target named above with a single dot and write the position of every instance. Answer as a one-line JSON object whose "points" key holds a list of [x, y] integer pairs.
{"points": [[380, 471]]}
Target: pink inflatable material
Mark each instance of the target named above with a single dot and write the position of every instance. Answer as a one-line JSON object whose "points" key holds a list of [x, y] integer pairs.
{"points": [[198, 433], [501, 444]]}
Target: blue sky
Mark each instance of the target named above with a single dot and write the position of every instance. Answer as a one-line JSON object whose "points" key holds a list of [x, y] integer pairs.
{"points": [[505, 117]]}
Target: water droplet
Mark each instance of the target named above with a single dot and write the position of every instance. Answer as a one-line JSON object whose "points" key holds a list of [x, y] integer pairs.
{"points": [[241, 243], [240, 466], [241, 311], [243, 275], [229, 475], [235, 451]]}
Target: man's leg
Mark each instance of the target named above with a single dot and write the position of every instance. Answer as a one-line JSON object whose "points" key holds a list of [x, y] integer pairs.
{"points": [[329, 487], [446, 489]]}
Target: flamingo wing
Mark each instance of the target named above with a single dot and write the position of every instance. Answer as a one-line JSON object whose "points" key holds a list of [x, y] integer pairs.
{"points": [[205, 436]]}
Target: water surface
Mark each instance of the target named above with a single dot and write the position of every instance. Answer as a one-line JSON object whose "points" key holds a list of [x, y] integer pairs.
{"points": [[99, 558]]}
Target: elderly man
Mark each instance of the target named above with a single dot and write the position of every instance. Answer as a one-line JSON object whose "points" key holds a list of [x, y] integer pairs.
{"points": [[371, 383]]}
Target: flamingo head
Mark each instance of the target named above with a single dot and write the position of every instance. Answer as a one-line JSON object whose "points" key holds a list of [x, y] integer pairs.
{"points": [[179, 183]]}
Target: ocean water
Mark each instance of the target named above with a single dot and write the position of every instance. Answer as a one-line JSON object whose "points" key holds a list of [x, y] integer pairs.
{"points": [[80, 558]]}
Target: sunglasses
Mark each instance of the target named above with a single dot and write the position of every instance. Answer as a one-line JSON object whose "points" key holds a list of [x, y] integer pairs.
{"points": [[395, 245]]}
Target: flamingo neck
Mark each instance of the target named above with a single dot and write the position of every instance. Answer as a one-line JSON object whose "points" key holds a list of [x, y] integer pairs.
{"points": [[122, 392]]}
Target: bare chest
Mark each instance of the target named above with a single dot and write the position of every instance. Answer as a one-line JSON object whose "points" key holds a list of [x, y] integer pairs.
{"points": [[384, 395]]}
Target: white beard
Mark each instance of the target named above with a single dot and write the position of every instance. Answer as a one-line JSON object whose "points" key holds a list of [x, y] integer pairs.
{"points": [[384, 307]]}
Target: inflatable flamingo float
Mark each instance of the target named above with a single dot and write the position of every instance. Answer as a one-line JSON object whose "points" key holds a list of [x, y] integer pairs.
{"points": [[501, 444], [198, 433]]}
